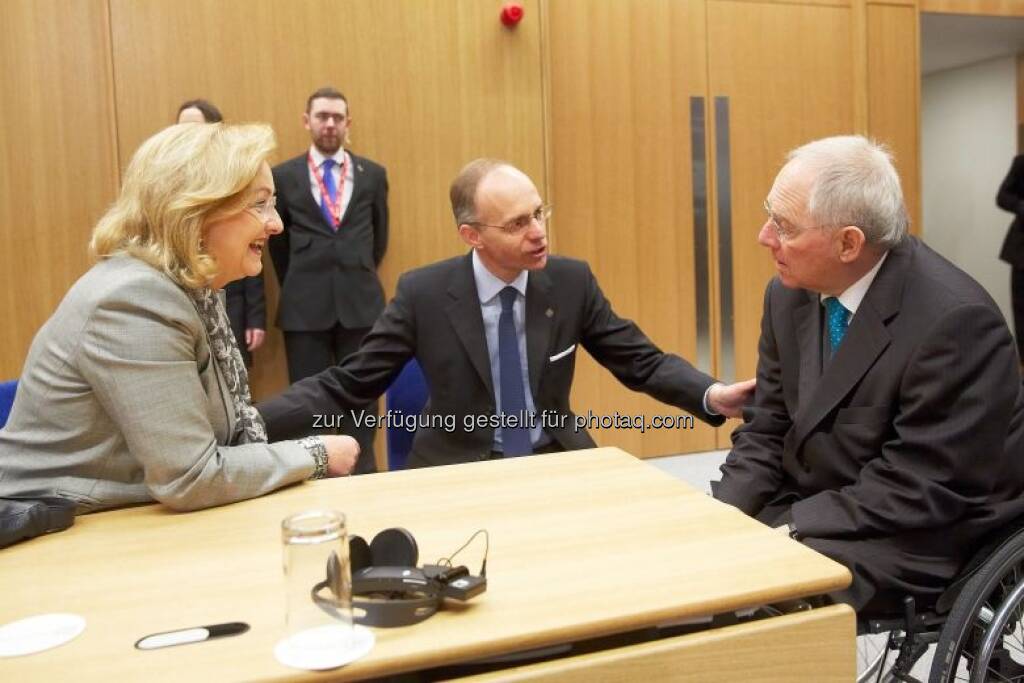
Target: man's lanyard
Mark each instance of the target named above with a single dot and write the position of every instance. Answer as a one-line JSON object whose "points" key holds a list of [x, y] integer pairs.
{"points": [[333, 207]]}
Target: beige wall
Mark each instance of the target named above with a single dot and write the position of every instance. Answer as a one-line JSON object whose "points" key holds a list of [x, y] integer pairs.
{"points": [[968, 136]]}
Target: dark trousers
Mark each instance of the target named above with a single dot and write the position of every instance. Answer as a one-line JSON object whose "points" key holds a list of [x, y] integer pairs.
{"points": [[882, 574], [310, 352], [1017, 301]]}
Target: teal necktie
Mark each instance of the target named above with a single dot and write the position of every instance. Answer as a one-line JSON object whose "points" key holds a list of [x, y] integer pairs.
{"points": [[838, 320]]}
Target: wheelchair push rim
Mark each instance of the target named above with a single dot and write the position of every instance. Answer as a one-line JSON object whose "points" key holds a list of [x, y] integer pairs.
{"points": [[983, 638]]}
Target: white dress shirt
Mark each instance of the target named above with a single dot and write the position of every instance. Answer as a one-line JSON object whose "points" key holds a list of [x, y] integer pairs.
{"points": [[340, 157], [488, 287], [853, 295]]}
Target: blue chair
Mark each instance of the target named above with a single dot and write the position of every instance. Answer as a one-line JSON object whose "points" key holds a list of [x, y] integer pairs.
{"points": [[407, 395], [7, 390]]}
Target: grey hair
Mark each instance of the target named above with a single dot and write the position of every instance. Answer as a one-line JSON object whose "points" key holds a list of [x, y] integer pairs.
{"points": [[855, 183]]}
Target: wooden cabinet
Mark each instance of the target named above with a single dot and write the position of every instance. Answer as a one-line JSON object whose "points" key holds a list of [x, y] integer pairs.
{"points": [[785, 74], [669, 121], [626, 80]]}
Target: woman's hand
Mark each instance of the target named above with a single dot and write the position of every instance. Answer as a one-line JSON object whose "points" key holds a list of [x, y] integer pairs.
{"points": [[342, 453]]}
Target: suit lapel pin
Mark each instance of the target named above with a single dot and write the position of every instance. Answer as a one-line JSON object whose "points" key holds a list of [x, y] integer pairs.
{"points": [[359, 167], [549, 313]]}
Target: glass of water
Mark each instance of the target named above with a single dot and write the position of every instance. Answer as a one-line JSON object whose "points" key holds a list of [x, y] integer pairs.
{"points": [[318, 585]]}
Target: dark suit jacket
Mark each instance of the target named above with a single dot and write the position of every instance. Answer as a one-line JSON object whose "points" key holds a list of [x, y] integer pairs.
{"points": [[329, 277], [435, 316], [246, 309], [1011, 198], [912, 436]]}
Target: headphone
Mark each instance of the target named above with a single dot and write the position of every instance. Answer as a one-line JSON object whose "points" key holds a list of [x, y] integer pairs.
{"points": [[388, 589]]}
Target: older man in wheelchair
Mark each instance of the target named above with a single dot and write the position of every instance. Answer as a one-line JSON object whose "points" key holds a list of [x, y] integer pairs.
{"points": [[887, 428]]}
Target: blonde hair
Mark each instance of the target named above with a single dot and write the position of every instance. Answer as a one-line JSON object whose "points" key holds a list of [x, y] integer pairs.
{"points": [[179, 180]]}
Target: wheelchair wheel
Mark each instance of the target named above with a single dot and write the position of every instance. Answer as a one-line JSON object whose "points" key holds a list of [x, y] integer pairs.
{"points": [[982, 639], [878, 653], [874, 655]]}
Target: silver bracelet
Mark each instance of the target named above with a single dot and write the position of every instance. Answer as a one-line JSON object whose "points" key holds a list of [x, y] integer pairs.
{"points": [[317, 450]]}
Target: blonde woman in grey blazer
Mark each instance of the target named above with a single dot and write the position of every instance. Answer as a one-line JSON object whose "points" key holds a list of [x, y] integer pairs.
{"points": [[135, 390]]}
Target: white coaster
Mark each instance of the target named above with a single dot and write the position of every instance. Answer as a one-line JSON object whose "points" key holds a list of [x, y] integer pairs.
{"points": [[324, 647], [38, 633]]}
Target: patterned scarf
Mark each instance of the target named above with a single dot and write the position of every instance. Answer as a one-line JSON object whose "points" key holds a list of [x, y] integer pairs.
{"points": [[249, 426]]}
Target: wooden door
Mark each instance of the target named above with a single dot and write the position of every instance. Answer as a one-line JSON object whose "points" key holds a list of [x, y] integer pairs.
{"points": [[627, 88], [894, 93], [780, 74]]}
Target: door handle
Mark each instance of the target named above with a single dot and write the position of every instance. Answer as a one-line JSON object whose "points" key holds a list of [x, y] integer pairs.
{"points": [[723, 187], [698, 164]]}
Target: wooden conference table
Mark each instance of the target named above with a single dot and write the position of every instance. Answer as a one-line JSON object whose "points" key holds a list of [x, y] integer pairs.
{"points": [[582, 545]]}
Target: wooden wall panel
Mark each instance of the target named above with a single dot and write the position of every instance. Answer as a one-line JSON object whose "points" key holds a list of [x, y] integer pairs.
{"points": [[1004, 8], [894, 86], [826, 3], [788, 73], [58, 162], [622, 75], [431, 84]]}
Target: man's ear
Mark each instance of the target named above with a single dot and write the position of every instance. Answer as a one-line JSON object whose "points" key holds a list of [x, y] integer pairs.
{"points": [[851, 243], [305, 120], [470, 235]]}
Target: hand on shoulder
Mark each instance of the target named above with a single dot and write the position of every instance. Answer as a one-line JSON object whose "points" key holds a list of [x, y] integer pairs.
{"points": [[729, 399]]}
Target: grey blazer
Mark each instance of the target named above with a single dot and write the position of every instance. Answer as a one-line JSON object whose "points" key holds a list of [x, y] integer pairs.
{"points": [[121, 402]]}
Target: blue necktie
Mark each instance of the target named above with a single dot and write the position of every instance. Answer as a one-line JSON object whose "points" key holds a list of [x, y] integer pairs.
{"points": [[332, 192], [837, 322], [513, 398]]}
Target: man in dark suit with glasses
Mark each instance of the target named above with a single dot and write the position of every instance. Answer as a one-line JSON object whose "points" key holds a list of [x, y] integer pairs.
{"points": [[496, 332]]}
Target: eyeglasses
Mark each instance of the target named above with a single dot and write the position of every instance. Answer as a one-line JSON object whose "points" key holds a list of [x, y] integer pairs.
{"points": [[517, 225], [782, 233], [264, 209]]}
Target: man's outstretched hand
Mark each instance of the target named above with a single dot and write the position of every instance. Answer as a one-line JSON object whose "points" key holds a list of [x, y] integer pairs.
{"points": [[729, 399]]}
